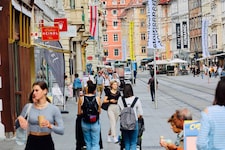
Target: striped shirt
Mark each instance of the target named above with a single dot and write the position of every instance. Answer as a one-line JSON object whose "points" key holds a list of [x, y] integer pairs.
{"points": [[212, 132]]}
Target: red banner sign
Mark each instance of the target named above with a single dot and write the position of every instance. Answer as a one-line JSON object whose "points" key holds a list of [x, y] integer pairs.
{"points": [[163, 2], [50, 33], [61, 23]]}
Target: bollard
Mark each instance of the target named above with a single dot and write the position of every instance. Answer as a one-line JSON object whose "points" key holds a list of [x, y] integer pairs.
{"points": [[2, 127]]}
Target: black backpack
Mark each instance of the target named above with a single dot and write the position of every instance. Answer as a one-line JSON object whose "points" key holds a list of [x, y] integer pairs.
{"points": [[90, 109]]}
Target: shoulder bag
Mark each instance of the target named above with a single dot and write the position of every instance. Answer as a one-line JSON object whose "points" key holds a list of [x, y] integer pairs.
{"points": [[105, 106], [21, 134]]}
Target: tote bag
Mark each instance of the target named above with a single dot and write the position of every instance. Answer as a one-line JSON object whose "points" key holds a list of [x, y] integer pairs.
{"points": [[21, 134]]}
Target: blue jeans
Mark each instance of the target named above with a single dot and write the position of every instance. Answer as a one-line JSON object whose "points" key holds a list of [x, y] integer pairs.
{"points": [[130, 138], [91, 133]]}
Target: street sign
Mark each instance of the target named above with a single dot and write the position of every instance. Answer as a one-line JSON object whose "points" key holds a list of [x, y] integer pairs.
{"points": [[50, 33], [89, 58], [61, 23]]}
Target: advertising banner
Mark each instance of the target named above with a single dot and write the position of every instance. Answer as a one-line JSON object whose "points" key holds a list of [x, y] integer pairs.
{"points": [[153, 38], [56, 63], [131, 30], [185, 34], [50, 34], [178, 35], [205, 51]]}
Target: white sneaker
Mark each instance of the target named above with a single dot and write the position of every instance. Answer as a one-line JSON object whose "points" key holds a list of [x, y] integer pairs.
{"points": [[109, 138], [115, 140]]}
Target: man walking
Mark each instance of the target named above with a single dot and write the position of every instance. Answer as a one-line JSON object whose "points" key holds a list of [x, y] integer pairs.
{"points": [[151, 83]]}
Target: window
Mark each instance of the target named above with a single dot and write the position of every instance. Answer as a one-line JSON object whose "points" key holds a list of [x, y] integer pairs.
{"points": [[223, 35], [72, 4], [115, 37], [114, 12], [142, 11], [143, 49], [143, 36], [104, 3], [116, 52], [114, 2], [214, 41], [106, 52], [142, 24], [105, 38], [223, 6], [104, 12], [122, 2], [115, 23]]}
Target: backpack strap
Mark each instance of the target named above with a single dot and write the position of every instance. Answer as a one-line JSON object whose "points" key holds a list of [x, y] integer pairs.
{"points": [[88, 99], [124, 102], [135, 100]]}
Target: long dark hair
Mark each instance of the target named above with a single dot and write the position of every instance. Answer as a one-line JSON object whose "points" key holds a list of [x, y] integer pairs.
{"points": [[128, 91], [43, 85], [220, 94]]}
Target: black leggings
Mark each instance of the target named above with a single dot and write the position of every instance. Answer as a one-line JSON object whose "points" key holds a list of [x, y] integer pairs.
{"points": [[40, 143]]}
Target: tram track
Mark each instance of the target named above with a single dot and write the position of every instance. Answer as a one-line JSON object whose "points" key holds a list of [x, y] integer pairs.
{"points": [[193, 95], [197, 87]]}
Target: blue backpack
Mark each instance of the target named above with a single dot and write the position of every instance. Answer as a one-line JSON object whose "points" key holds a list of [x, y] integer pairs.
{"points": [[77, 83]]}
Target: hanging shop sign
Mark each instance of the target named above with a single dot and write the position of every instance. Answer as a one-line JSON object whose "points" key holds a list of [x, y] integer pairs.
{"points": [[61, 23], [89, 58], [50, 33]]}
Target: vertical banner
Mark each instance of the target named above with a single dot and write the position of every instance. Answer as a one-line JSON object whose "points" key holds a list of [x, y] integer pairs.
{"points": [[185, 34], [178, 35], [124, 49], [55, 61], [205, 51], [153, 38], [131, 33], [93, 20]]}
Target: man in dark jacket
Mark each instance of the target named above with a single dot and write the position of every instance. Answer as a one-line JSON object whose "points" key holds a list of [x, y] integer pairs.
{"points": [[151, 83]]}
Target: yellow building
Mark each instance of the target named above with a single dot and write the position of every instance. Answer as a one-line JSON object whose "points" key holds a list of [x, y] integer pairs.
{"points": [[134, 32]]}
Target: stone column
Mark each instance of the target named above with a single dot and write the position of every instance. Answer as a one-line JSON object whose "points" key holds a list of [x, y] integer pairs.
{"points": [[78, 59]]}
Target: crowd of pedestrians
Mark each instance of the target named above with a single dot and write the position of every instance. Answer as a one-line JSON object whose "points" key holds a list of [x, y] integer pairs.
{"points": [[91, 130], [89, 97]]}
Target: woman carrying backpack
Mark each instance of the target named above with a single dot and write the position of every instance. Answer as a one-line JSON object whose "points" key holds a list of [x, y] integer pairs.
{"points": [[90, 107], [130, 136]]}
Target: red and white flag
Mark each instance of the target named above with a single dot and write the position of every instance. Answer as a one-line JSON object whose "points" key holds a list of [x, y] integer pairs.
{"points": [[93, 20]]}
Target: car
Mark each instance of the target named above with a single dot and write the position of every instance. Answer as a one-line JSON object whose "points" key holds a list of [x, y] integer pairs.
{"points": [[127, 73]]}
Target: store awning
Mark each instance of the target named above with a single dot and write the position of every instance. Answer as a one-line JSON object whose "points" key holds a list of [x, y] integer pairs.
{"points": [[211, 56]]}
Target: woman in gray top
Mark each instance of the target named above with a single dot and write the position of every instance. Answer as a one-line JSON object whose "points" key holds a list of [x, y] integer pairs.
{"points": [[39, 132]]}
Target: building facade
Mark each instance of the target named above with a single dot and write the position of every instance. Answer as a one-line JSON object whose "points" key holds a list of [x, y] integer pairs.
{"points": [[16, 59], [134, 32], [21, 54], [112, 39]]}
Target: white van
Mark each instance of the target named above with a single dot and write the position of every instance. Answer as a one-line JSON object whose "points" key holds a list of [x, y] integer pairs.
{"points": [[127, 73]]}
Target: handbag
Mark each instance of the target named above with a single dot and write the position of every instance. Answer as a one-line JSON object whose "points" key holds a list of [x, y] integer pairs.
{"points": [[21, 134], [105, 106]]}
